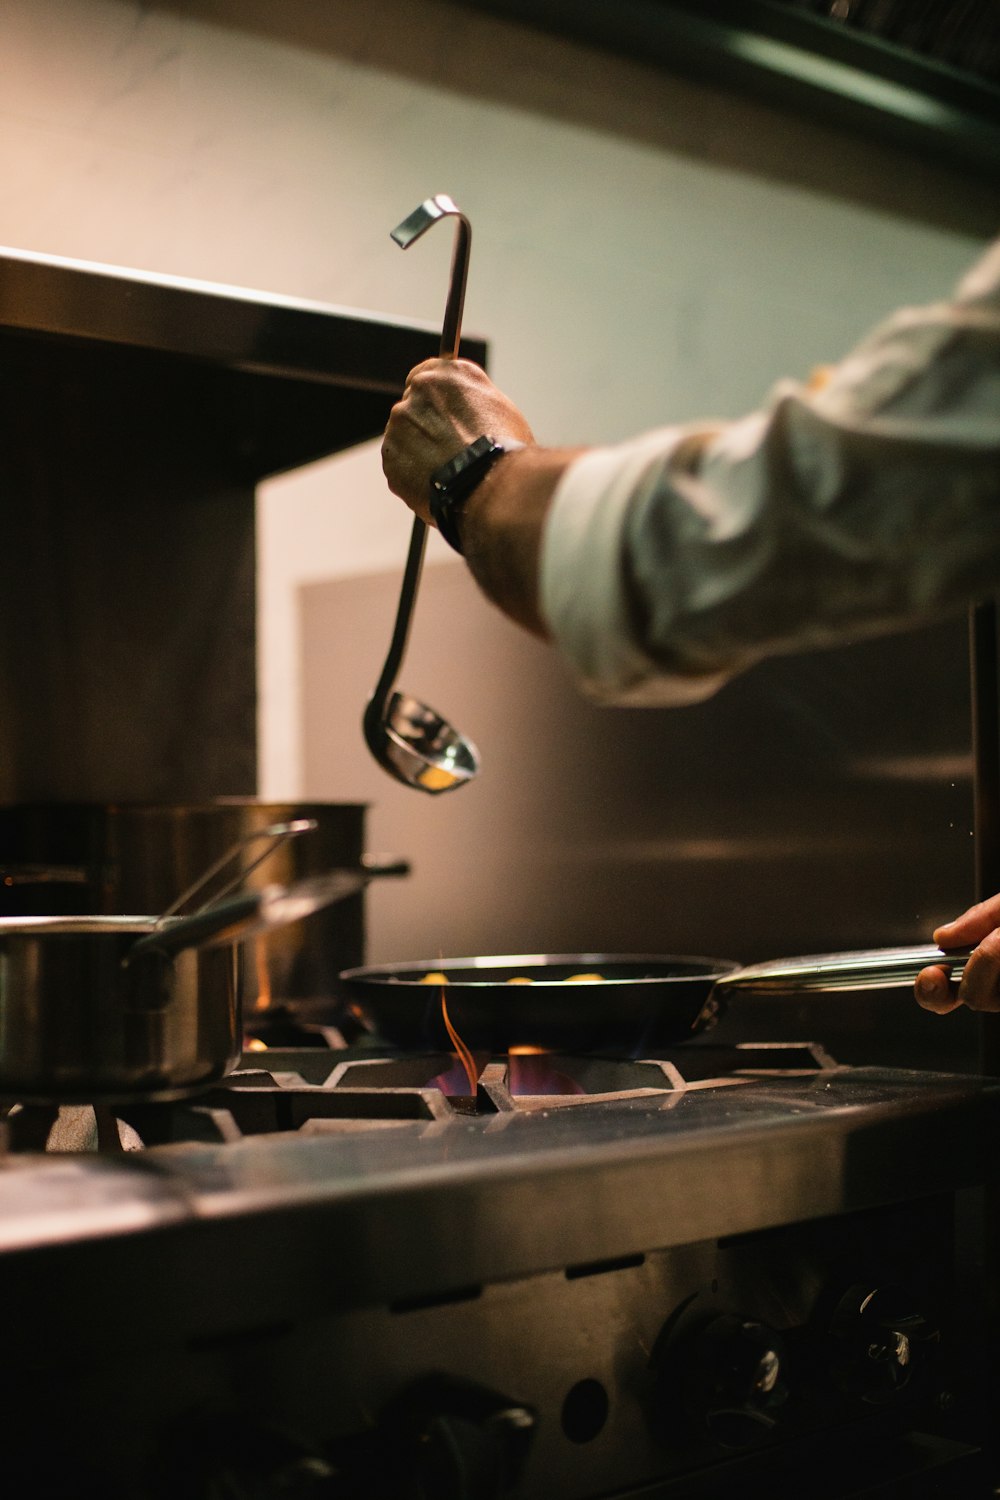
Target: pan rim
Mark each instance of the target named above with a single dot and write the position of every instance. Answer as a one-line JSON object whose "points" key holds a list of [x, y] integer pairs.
{"points": [[699, 967]]}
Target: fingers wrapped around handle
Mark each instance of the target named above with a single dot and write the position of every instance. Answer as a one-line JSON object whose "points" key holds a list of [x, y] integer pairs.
{"points": [[979, 984]]}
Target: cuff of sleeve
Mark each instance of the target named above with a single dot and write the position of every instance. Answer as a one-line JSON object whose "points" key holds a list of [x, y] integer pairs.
{"points": [[584, 595]]}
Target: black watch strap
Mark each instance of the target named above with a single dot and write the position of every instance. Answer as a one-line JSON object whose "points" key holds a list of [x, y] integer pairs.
{"points": [[453, 483]]}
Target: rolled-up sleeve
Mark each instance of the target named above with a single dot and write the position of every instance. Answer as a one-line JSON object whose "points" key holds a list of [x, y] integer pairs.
{"points": [[872, 503]]}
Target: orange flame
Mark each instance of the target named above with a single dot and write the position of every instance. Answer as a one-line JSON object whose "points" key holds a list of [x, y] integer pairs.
{"points": [[263, 1000], [465, 1056]]}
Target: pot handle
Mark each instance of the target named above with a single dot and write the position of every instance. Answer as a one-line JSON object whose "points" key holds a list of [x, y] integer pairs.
{"points": [[43, 875], [274, 836], [830, 973], [250, 912], [374, 865]]}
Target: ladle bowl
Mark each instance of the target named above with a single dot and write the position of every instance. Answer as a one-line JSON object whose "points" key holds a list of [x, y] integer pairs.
{"points": [[414, 744]]}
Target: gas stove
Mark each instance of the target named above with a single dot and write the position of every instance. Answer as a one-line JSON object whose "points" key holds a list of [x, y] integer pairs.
{"points": [[339, 1274]]}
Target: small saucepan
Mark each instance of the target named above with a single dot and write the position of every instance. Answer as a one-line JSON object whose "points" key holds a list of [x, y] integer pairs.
{"points": [[597, 1002], [115, 1009]]}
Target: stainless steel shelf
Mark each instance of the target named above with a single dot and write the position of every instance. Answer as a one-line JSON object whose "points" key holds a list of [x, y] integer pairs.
{"points": [[313, 378]]}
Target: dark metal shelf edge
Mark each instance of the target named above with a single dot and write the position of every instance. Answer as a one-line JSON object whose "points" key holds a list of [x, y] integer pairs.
{"points": [[229, 326]]}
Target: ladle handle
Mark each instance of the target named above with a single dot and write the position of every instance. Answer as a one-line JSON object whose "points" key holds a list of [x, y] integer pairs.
{"points": [[429, 212], [451, 328], [404, 619], [432, 209]]}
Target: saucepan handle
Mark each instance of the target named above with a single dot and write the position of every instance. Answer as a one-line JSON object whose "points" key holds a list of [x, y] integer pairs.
{"points": [[248, 913], [865, 969], [21, 874], [272, 837], [373, 865]]}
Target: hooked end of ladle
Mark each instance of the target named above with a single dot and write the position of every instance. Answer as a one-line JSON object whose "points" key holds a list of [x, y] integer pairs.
{"points": [[421, 219]]}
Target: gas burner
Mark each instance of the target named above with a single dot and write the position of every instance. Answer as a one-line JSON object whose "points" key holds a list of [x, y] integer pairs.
{"points": [[320, 1089], [528, 1079], [316, 1091]]}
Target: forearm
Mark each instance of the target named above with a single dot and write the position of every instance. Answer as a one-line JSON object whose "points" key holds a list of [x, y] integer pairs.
{"points": [[866, 506], [502, 526]]}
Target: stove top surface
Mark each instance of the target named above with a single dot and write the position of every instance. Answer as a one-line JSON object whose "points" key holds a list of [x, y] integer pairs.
{"points": [[754, 1135], [292, 1192]]}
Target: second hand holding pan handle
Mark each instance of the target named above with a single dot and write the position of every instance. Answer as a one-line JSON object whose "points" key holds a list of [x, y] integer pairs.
{"points": [[830, 973]]}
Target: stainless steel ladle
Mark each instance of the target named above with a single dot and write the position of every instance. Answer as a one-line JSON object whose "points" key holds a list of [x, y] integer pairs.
{"points": [[408, 739]]}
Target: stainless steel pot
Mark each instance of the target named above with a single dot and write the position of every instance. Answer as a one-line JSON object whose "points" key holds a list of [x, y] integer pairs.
{"points": [[112, 1009], [103, 858]]}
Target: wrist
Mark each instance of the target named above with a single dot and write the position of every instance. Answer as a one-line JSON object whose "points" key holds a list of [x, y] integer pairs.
{"points": [[453, 483]]}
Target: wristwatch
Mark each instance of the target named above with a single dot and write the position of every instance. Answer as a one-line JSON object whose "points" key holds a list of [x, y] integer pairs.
{"points": [[453, 483]]}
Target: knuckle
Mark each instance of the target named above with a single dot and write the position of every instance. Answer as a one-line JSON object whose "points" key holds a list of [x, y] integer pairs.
{"points": [[989, 948], [979, 988], [425, 373]]}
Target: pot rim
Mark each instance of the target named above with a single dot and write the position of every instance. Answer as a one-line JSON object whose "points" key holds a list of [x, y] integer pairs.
{"points": [[107, 926]]}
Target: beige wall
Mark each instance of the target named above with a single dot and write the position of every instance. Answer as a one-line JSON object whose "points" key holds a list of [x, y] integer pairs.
{"points": [[645, 249]]}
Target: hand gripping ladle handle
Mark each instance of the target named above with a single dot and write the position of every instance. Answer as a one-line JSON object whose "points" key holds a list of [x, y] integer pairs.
{"points": [[405, 234]]}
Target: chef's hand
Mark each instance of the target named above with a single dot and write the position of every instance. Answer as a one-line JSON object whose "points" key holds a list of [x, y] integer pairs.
{"points": [[979, 987], [446, 404]]}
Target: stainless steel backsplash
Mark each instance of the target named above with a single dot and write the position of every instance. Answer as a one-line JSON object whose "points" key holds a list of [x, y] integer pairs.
{"points": [[817, 803]]}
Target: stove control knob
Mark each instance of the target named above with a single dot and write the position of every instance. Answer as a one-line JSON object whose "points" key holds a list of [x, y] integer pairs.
{"points": [[877, 1337], [460, 1441], [227, 1459], [724, 1380]]}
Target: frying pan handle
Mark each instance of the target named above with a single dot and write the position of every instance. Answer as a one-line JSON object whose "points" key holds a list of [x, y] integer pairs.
{"points": [[830, 973]]}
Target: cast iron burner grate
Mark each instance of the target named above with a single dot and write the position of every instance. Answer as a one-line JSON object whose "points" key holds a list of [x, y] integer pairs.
{"points": [[299, 1091], [314, 1090]]}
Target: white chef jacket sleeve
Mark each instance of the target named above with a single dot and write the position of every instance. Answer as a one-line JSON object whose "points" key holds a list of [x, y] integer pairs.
{"points": [[870, 504]]}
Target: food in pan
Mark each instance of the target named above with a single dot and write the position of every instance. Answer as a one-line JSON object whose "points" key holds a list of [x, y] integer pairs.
{"points": [[570, 979], [434, 977]]}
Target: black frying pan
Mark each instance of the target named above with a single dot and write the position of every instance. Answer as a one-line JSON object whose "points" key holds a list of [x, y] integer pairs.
{"points": [[644, 1001]]}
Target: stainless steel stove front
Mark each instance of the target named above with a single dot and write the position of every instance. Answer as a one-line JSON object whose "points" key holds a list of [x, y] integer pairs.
{"points": [[725, 1284]]}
